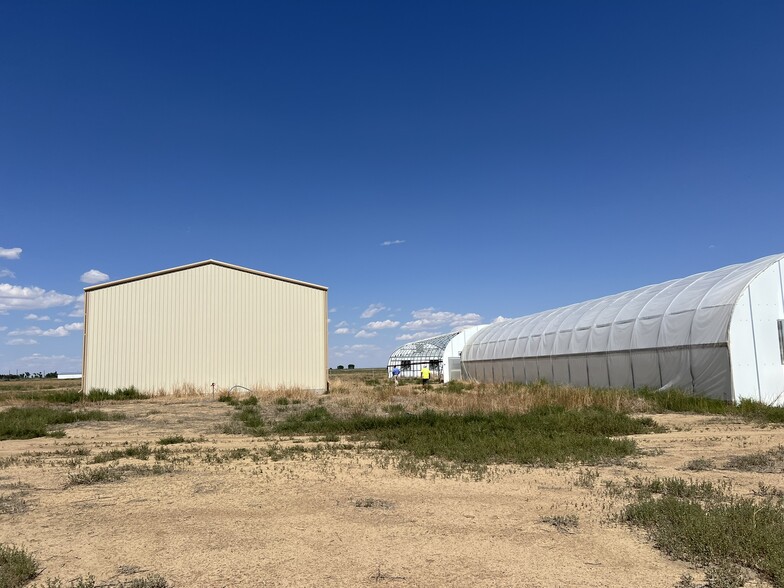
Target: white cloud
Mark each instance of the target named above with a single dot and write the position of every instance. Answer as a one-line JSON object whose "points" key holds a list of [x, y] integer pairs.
{"points": [[94, 276], [342, 324], [29, 298], [372, 310], [358, 351], [416, 336], [3, 328], [363, 334], [61, 331], [387, 324], [22, 342], [7, 273], [78, 309], [342, 331], [12, 253], [47, 363], [395, 242], [35, 317], [499, 319], [333, 310], [430, 318]]}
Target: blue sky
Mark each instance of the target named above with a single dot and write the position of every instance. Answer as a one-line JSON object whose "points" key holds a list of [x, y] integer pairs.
{"points": [[434, 164]]}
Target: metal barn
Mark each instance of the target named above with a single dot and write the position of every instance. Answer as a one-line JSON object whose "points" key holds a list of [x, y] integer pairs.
{"points": [[718, 334], [202, 324]]}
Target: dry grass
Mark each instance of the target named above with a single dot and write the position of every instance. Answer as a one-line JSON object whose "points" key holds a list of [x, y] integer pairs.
{"points": [[511, 398]]}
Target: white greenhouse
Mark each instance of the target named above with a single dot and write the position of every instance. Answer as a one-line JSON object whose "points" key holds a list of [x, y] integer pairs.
{"points": [[441, 354], [718, 334]]}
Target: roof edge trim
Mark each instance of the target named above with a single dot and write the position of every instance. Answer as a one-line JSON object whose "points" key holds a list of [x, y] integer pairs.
{"points": [[199, 264]]}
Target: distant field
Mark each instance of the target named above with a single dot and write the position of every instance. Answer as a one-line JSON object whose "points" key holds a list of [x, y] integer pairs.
{"points": [[359, 373]]}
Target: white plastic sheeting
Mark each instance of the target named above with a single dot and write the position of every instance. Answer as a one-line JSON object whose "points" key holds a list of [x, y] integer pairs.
{"points": [[674, 334], [451, 361]]}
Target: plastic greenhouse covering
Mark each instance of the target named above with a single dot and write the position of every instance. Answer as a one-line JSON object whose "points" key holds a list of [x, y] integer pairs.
{"points": [[412, 357], [667, 335]]}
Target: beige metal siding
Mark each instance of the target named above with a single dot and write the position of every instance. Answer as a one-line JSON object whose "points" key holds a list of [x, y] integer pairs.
{"points": [[204, 324]]}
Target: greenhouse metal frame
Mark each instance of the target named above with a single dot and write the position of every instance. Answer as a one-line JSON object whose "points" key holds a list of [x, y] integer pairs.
{"points": [[415, 355]]}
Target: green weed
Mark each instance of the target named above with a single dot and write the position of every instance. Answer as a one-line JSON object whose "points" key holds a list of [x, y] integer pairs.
{"points": [[699, 522], [545, 435], [174, 439], [699, 465], [142, 452], [13, 503], [562, 523], [150, 581], [130, 393], [27, 423], [768, 461], [17, 566], [103, 475], [373, 503], [679, 401]]}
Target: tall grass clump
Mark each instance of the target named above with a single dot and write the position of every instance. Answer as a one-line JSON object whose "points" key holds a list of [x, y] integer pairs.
{"points": [[17, 567], [700, 523], [106, 474], [130, 393], [27, 423], [679, 401], [142, 452]]}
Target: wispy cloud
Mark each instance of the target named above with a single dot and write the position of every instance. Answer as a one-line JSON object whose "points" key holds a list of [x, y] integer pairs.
{"points": [[35, 317], [12, 253], [22, 342], [416, 336], [387, 324], [7, 273], [363, 334], [61, 331], [372, 310], [30, 298], [430, 318], [94, 276], [500, 319], [395, 242], [358, 351], [38, 362], [342, 331]]}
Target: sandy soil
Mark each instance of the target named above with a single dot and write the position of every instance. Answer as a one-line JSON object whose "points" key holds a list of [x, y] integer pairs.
{"points": [[343, 517]]}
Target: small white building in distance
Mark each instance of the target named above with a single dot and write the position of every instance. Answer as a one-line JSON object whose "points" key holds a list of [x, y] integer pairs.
{"points": [[208, 322], [718, 334]]}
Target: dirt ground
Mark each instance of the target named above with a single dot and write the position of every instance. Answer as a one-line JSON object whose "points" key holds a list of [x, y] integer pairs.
{"points": [[341, 517]]}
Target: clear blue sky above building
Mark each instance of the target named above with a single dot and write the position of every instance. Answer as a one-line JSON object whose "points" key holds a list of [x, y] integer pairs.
{"points": [[435, 164]]}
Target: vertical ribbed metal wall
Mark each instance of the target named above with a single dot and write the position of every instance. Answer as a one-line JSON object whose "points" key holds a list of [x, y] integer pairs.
{"points": [[203, 324]]}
